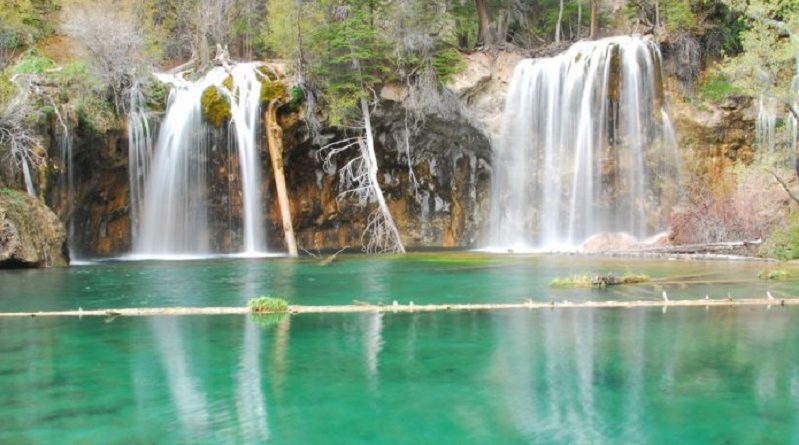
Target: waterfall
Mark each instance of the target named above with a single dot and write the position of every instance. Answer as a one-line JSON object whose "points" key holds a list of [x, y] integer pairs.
{"points": [[140, 153], [67, 178], [586, 147], [170, 188], [766, 124]]}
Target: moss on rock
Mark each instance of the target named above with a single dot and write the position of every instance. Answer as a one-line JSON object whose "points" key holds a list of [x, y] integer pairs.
{"points": [[272, 90], [31, 235], [215, 107]]}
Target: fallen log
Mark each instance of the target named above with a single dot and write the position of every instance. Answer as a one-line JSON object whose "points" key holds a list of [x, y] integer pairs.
{"points": [[413, 308]]}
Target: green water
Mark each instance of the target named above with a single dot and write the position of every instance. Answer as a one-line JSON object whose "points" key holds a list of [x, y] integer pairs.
{"points": [[422, 278], [726, 376], [568, 376]]}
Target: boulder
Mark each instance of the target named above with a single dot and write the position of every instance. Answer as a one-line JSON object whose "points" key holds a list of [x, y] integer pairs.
{"points": [[31, 235], [609, 242]]}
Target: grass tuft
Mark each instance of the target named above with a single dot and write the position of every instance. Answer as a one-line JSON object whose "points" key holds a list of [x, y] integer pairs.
{"points": [[268, 305]]}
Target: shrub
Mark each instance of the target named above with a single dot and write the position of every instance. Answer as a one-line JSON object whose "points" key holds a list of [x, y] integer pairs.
{"points": [[267, 304], [783, 243], [32, 63]]}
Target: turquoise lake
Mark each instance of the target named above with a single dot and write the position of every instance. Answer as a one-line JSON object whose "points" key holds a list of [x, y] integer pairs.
{"points": [[592, 376]]}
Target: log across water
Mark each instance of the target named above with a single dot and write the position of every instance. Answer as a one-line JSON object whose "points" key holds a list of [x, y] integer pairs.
{"points": [[409, 308]]}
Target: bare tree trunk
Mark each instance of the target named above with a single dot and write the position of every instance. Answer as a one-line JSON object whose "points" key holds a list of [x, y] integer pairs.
{"points": [[484, 31], [388, 220], [579, 18], [274, 140], [559, 24], [594, 19]]}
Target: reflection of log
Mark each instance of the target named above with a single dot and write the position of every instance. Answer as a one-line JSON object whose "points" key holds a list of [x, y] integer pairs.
{"points": [[274, 139], [148, 312]]}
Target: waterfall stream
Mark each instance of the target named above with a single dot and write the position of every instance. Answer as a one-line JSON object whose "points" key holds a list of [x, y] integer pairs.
{"points": [[587, 146], [169, 180]]}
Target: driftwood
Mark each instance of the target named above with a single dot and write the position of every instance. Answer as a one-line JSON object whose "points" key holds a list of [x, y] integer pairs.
{"points": [[327, 261], [274, 139], [411, 308]]}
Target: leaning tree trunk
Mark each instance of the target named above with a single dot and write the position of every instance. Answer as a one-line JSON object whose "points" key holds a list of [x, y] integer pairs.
{"points": [[388, 220], [594, 19], [484, 31], [559, 25], [274, 141]]}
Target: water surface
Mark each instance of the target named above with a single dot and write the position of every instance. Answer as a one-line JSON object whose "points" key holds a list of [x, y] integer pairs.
{"points": [[687, 376], [422, 278]]}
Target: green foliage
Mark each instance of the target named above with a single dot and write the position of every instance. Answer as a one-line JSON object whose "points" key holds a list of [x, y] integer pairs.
{"points": [[156, 94], [716, 88], [32, 63], [447, 63], [215, 107], [774, 274], [24, 22], [297, 95], [783, 243], [768, 61], [267, 304], [678, 16], [95, 113], [352, 55]]}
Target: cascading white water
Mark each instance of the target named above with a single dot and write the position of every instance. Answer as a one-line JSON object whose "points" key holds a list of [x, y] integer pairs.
{"points": [[169, 184], [587, 147], [766, 124], [245, 106], [140, 153], [67, 178]]}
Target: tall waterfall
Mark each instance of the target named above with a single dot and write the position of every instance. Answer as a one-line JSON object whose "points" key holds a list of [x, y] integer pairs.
{"points": [[170, 188], [587, 147]]}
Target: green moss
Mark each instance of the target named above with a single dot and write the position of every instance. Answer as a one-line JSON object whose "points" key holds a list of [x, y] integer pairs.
{"points": [[716, 88], [267, 304], [775, 274], [228, 83], [272, 90], [263, 69], [215, 107]]}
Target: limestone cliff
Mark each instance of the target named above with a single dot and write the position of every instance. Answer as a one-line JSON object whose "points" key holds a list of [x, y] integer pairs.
{"points": [[31, 235]]}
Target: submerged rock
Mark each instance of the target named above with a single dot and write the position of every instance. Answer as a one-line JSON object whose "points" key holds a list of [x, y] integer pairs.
{"points": [[31, 235]]}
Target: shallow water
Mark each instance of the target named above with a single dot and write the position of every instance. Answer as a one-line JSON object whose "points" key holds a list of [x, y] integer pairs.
{"points": [[422, 278], [547, 377]]}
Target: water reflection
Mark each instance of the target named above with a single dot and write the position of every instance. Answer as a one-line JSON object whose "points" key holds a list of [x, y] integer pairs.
{"points": [[560, 376]]}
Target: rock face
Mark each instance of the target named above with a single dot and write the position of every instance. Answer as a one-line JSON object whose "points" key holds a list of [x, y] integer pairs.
{"points": [[31, 235], [449, 159]]}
